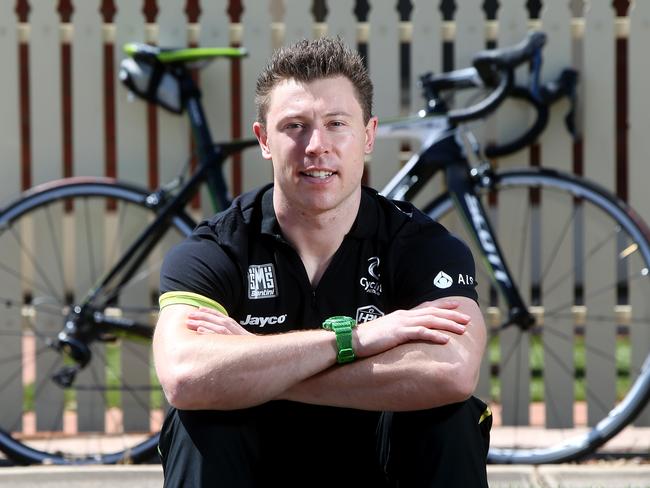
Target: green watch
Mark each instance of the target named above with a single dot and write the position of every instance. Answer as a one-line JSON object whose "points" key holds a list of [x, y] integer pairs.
{"points": [[342, 327]]}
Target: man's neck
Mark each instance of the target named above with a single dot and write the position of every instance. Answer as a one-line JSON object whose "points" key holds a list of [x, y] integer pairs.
{"points": [[316, 236]]}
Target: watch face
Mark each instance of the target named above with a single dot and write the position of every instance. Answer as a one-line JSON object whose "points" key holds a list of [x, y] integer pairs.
{"points": [[340, 321]]}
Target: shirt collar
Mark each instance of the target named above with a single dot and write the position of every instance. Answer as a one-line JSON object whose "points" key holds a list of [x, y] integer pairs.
{"points": [[270, 223], [365, 224]]}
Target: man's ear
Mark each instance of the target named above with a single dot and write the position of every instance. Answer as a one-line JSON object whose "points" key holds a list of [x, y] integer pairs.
{"points": [[262, 138], [371, 131]]}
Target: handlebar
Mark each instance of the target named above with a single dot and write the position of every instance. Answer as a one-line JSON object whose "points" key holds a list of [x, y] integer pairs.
{"points": [[495, 69], [549, 93], [491, 68], [490, 62]]}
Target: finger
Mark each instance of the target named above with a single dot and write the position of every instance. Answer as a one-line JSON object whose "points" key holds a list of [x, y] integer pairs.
{"points": [[211, 311], [204, 330], [440, 323], [429, 335], [205, 313], [455, 315], [196, 324], [446, 303]]}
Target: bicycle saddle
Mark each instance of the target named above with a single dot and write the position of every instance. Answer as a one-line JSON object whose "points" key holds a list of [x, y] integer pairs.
{"points": [[181, 55]]}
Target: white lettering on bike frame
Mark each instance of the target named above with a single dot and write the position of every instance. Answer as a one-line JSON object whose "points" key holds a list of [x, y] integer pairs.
{"points": [[486, 241]]}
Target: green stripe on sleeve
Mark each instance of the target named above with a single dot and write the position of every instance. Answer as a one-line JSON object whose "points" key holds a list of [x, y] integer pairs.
{"points": [[189, 298]]}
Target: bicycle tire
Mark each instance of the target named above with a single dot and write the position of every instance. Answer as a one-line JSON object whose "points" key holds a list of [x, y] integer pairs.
{"points": [[45, 232], [522, 196]]}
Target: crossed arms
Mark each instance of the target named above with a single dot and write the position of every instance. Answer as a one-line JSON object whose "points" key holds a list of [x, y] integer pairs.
{"points": [[407, 360]]}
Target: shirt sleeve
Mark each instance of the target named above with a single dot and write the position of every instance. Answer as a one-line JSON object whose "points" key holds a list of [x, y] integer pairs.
{"points": [[198, 272], [432, 264]]}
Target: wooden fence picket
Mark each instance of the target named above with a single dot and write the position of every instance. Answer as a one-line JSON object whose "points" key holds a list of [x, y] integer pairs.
{"points": [[257, 38], [639, 176], [599, 104], [215, 83], [11, 411], [556, 152]]}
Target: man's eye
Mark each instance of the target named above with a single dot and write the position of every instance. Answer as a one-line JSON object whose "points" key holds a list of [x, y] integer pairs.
{"points": [[337, 123], [293, 125]]}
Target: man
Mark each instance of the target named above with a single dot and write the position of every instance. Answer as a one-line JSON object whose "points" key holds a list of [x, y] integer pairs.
{"points": [[314, 334]]}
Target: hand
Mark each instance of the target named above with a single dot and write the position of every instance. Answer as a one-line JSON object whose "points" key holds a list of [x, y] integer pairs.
{"points": [[427, 322], [206, 320]]}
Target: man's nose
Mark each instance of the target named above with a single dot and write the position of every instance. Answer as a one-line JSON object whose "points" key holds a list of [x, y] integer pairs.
{"points": [[318, 142]]}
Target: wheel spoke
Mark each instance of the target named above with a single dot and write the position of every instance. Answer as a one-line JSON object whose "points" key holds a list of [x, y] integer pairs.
{"points": [[556, 247], [57, 249], [89, 239]]}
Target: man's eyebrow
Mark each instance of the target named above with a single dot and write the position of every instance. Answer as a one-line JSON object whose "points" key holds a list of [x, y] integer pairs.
{"points": [[297, 114], [338, 113]]}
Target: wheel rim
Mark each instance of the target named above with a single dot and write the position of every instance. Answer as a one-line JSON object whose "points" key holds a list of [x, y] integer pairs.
{"points": [[589, 287], [52, 251]]}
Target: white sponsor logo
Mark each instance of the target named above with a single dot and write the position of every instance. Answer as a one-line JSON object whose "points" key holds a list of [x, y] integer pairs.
{"points": [[368, 313], [465, 279], [262, 321], [372, 268], [368, 285], [261, 281], [443, 280]]}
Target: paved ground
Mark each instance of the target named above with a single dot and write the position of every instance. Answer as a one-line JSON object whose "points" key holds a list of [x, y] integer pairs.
{"points": [[605, 475]]}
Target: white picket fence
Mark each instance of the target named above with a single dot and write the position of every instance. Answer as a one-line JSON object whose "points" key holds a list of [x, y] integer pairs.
{"points": [[33, 147]]}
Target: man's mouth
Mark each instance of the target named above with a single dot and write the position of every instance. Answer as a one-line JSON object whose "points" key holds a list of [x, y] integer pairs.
{"points": [[320, 174]]}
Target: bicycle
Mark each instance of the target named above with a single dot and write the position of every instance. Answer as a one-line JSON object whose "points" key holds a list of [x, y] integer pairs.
{"points": [[88, 321], [596, 220]]}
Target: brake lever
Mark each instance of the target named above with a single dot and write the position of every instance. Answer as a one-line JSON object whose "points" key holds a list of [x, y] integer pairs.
{"points": [[564, 85]]}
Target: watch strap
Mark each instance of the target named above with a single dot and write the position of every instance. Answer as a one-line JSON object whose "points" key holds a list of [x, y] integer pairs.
{"points": [[344, 344], [342, 327]]}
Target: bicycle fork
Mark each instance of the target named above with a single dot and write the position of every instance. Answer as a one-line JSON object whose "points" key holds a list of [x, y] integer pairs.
{"points": [[461, 186]]}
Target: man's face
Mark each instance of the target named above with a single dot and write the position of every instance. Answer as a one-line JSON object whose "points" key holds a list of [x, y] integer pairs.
{"points": [[317, 140]]}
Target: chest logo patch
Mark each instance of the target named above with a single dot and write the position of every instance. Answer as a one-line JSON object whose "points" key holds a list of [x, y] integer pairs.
{"points": [[370, 285], [262, 282], [443, 280], [368, 313], [372, 267]]}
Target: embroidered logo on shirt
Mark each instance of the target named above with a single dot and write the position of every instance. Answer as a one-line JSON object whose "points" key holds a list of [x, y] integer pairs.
{"points": [[261, 281], [368, 313], [465, 279], [443, 280], [262, 321], [369, 285], [372, 268]]}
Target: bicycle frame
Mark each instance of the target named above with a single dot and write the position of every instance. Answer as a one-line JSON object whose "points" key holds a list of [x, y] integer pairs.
{"points": [[441, 151], [209, 171]]}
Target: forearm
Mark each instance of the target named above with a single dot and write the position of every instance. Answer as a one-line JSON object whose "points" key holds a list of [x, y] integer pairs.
{"points": [[218, 370], [224, 372], [411, 376], [404, 378]]}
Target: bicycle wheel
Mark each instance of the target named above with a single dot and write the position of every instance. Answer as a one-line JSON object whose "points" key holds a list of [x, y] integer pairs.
{"points": [[580, 257], [55, 243]]}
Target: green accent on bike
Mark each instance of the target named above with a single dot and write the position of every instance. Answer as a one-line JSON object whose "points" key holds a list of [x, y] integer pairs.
{"points": [[190, 54], [189, 298]]}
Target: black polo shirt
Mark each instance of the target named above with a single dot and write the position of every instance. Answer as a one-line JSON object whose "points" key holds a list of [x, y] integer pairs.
{"points": [[394, 257]]}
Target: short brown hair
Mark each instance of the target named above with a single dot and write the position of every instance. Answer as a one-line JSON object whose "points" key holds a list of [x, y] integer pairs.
{"points": [[310, 60]]}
